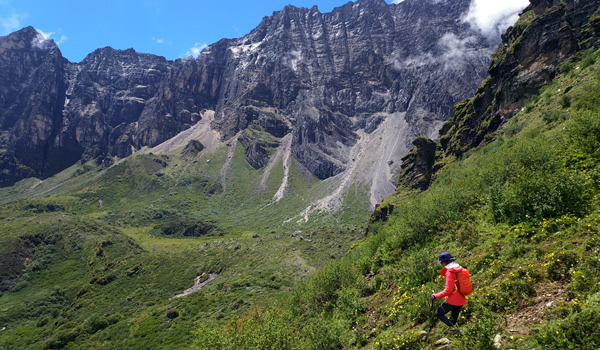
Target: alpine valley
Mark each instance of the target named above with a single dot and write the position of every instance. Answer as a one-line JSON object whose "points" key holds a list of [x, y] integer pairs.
{"points": [[291, 189]]}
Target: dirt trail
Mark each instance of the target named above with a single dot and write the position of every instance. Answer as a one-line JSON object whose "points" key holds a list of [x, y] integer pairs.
{"points": [[197, 285], [548, 296]]}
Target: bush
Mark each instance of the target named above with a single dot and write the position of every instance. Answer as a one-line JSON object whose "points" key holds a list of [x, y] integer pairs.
{"points": [[409, 340], [529, 184], [558, 265], [322, 333], [565, 67], [565, 101], [584, 133], [579, 330], [480, 328], [553, 116], [259, 329], [322, 289]]}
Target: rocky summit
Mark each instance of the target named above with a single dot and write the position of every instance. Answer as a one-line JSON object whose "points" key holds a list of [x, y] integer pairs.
{"points": [[344, 93]]}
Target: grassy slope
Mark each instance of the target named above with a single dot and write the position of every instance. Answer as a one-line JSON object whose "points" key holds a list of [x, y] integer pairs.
{"points": [[88, 268], [522, 213]]}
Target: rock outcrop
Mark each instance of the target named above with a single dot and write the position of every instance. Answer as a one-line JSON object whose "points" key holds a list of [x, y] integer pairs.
{"points": [[326, 78], [528, 57], [547, 33]]}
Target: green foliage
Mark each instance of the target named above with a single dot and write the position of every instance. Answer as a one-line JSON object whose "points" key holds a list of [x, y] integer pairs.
{"points": [[559, 265], [259, 329], [578, 330], [565, 67], [481, 327], [528, 184], [584, 132], [565, 101], [322, 333], [554, 116], [409, 340], [513, 129], [186, 227]]}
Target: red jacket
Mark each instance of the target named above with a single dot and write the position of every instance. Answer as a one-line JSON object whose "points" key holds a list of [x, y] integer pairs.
{"points": [[453, 296]]}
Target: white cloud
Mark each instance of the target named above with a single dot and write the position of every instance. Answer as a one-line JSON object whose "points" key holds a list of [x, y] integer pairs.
{"points": [[494, 17], [158, 40], [48, 36], [62, 39], [195, 50], [397, 1], [10, 24], [453, 53]]}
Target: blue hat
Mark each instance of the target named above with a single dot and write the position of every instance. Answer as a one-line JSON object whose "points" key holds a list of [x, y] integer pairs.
{"points": [[445, 256]]}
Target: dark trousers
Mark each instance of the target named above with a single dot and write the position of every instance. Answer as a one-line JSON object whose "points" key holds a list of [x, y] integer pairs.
{"points": [[443, 309]]}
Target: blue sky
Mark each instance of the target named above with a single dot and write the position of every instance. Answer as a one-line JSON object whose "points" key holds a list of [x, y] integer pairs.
{"points": [[174, 28]]}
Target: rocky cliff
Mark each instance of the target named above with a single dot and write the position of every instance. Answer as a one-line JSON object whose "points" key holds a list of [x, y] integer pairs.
{"points": [[548, 33], [349, 87]]}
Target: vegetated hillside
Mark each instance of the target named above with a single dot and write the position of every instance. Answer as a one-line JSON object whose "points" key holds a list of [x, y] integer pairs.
{"points": [[69, 280], [92, 257], [521, 211]]}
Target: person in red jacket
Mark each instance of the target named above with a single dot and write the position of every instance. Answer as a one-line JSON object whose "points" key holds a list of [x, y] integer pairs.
{"points": [[454, 300]]}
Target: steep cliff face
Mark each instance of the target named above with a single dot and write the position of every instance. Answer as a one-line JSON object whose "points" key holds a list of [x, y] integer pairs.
{"points": [[547, 33], [349, 88], [329, 74], [32, 89]]}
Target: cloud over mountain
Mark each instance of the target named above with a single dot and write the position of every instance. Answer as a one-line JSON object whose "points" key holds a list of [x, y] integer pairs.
{"points": [[494, 17]]}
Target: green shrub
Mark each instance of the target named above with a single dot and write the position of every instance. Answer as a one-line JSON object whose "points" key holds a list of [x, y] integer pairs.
{"points": [[480, 326], [559, 265], [513, 129], [565, 67], [588, 60], [323, 333], [529, 184], [584, 133], [579, 330], [513, 290], [554, 116], [585, 279], [409, 340], [349, 303], [259, 329], [411, 305], [565, 101], [589, 99]]}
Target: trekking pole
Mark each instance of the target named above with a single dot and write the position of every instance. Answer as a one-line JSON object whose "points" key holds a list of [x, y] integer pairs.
{"points": [[430, 320]]}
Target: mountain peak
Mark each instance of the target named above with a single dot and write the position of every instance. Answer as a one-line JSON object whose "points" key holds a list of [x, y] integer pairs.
{"points": [[29, 36]]}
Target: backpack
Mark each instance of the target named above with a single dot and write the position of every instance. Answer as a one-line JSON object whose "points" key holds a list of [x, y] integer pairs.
{"points": [[463, 281]]}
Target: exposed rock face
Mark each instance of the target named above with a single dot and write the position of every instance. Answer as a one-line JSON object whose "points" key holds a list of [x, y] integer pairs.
{"points": [[327, 78], [192, 149], [32, 90], [548, 32], [418, 164]]}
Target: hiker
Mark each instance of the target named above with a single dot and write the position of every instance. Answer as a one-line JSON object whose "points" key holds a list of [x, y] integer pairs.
{"points": [[454, 299]]}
